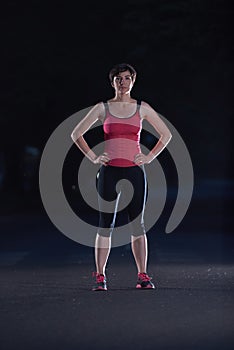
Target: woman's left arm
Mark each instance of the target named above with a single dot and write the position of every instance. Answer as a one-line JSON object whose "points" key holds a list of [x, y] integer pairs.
{"points": [[152, 117]]}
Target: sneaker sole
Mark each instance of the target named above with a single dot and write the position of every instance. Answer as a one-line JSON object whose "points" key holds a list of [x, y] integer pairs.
{"points": [[99, 289], [138, 286]]}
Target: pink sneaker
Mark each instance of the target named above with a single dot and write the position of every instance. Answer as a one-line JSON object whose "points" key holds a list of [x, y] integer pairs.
{"points": [[100, 282], [144, 281]]}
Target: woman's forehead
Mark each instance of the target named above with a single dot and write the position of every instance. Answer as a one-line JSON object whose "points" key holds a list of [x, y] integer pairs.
{"points": [[123, 74]]}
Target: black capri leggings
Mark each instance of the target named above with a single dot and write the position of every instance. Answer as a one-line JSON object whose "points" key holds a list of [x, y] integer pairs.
{"points": [[111, 190]]}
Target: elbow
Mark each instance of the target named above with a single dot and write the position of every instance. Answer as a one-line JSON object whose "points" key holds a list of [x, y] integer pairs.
{"points": [[75, 135], [169, 137], [165, 139]]}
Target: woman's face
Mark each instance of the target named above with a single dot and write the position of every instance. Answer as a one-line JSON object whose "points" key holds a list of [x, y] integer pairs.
{"points": [[123, 82]]}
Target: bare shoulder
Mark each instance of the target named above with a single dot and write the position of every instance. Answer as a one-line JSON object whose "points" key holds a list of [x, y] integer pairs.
{"points": [[147, 111], [95, 113], [98, 110], [151, 116], [101, 111], [145, 104]]}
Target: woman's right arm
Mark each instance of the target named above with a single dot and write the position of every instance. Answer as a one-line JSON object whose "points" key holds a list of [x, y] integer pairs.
{"points": [[95, 114]]}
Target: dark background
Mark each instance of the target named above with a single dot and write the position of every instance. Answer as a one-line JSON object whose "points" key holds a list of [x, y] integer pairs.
{"points": [[55, 59]]}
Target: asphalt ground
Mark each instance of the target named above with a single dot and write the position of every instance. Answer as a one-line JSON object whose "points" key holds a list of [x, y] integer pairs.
{"points": [[46, 301]]}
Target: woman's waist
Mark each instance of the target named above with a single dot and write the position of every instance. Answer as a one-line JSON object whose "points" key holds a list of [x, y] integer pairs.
{"points": [[125, 153]]}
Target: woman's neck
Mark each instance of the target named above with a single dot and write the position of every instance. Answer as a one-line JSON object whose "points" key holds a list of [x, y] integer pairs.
{"points": [[122, 98]]}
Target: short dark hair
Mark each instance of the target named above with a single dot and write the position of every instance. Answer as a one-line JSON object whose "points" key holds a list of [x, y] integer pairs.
{"points": [[121, 67]]}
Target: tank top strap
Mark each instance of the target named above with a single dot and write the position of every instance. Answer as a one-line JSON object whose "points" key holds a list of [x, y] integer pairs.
{"points": [[106, 105], [138, 105]]}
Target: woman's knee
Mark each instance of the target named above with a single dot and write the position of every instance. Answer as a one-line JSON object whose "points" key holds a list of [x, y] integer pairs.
{"points": [[105, 232], [138, 230]]}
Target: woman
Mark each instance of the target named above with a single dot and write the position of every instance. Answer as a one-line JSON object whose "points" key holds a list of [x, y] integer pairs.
{"points": [[122, 118]]}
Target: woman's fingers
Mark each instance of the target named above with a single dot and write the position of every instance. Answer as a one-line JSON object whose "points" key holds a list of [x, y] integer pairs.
{"points": [[140, 158], [103, 159]]}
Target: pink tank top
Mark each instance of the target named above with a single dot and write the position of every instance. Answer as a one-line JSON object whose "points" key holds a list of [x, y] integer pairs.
{"points": [[122, 138]]}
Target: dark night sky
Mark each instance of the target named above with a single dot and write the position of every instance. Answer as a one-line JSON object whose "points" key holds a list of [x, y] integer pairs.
{"points": [[55, 58]]}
